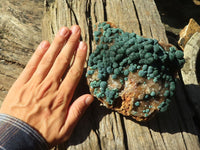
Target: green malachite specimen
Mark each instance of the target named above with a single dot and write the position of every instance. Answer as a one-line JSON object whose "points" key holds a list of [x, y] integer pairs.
{"points": [[118, 53]]}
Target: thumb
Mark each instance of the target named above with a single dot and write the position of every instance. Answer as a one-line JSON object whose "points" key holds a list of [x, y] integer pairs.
{"points": [[78, 107], [76, 110]]}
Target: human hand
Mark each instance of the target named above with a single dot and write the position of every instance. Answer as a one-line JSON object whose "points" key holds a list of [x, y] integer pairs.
{"points": [[39, 98]]}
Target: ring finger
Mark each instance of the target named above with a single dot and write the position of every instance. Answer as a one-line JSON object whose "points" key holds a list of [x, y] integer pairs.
{"points": [[64, 58]]}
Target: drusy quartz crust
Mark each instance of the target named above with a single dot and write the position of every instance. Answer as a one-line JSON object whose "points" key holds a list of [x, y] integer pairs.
{"points": [[131, 74]]}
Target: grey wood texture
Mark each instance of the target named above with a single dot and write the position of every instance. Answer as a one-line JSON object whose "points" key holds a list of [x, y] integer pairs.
{"points": [[104, 129], [20, 33], [100, 128]]}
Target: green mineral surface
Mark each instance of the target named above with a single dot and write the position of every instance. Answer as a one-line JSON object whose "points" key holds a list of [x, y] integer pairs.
{"points": [[118, 53]]}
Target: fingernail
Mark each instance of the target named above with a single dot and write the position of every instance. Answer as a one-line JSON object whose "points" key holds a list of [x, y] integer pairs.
{"points": [[75, 29], [89, 100], [63, 32], [82, 45], [44, 44]]}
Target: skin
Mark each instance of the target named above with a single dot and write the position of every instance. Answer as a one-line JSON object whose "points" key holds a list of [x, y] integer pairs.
{"points": [[40, 98]]}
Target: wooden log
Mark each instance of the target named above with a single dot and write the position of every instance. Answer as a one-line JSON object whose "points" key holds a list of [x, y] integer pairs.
{"points": [[20, 33], [101, 128]]}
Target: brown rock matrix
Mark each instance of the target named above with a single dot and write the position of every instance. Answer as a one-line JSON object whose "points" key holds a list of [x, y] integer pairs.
{"points": [[187, 32]]}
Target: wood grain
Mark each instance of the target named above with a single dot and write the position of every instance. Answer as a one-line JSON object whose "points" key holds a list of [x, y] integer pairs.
{"points": [[20, 33], [101, 128]]}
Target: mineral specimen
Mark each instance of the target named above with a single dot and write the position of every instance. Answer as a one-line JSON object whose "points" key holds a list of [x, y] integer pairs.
{"points": [[131, 74], [187, 32]]}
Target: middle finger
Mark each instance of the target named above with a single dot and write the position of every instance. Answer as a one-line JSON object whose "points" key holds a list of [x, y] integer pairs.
{"points": [[64, 58]]}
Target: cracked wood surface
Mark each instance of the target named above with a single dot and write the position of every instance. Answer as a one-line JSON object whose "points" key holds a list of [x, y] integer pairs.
{"points": [[20, 33], [101, 128]]}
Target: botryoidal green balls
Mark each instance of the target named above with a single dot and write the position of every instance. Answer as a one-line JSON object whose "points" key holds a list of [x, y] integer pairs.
{"points": [[120, 53]]}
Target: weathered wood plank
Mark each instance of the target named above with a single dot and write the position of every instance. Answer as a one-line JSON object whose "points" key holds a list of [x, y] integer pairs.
{"points": [[123, 14], [20, 33], [149, 18], [101, 128]]}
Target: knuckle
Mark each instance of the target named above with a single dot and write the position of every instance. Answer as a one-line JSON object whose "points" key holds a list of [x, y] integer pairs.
{"points": [[38, 53], [47, 60], [73, 39], [77, 112], [59, 39], [63, 60], [46, 87], [31, 67], [75, 72], [61, 99], [43, 87], [80, 57]]}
